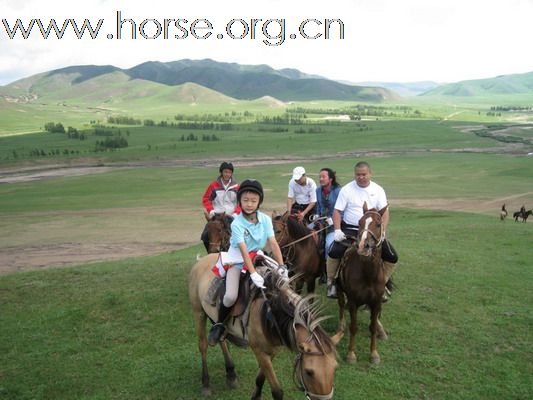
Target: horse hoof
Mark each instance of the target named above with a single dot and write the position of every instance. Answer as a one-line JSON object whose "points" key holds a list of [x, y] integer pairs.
{"points": [[351, 358], [206, 392], [375, 360]]}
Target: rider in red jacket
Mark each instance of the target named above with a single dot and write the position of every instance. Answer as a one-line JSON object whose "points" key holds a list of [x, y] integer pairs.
{"points": [[220, 197]]}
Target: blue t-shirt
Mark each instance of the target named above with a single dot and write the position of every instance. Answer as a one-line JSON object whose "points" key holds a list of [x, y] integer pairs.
{"points": [[254, 235]]}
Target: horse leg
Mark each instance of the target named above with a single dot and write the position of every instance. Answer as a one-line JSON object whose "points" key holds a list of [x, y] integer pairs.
{"points": [[200, 319], [259, 382], [381, 332], [373, 327], [351, 357], [266, 371], [231, 376], [341, 301], [311, 284]]}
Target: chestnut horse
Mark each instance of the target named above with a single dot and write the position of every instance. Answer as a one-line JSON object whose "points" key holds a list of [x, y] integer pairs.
{"points": [[299, 249], [277, 317], [218, 232], [362, 280]]}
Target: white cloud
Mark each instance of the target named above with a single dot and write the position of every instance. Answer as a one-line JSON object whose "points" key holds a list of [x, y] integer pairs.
{"points": [[384, 39]]}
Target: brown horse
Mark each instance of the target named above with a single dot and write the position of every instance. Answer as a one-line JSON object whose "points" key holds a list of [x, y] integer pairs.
{"points": [[277, 317], [299, 249], [218, 232], [362, 280]]}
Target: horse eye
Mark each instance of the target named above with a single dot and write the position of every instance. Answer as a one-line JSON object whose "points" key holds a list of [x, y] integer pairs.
{"points": [[309, 372]]}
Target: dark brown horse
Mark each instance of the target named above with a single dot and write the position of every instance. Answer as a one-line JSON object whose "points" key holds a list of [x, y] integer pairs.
{"points": [[278, 317], [218, 232], [362, 280], [299, 249], [522, 214]]}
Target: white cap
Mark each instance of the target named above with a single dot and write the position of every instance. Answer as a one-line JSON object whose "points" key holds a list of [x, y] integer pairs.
{"points": [[298, 172]]}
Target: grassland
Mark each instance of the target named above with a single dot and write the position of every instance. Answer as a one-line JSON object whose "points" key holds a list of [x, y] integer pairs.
{"points": [[459, 322]]}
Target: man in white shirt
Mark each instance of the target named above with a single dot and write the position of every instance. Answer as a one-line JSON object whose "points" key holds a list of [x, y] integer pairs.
{"points": [[348, 211], [301, 198]]}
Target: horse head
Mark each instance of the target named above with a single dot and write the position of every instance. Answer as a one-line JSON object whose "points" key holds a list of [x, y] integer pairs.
{"points": [[279, 223], [316, 362], [218, 232], [371, 231]]}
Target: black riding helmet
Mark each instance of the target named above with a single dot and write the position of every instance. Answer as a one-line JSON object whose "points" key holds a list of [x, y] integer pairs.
{"points": [[250, 185], [225, 165]]}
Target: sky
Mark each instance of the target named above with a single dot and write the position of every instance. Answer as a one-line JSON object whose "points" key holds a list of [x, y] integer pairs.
{"points": [[382, 40]]}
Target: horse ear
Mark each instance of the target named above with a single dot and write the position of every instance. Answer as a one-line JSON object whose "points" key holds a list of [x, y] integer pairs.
{"points": [[304, 347], [274, 214], [335, 339], [365, 207], [382, 211]]}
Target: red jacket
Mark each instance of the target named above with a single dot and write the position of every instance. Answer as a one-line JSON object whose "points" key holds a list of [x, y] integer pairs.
{"points": [[221, 199]]}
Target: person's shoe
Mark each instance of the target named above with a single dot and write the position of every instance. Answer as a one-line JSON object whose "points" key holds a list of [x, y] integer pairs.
{"points": [[332, 291], [216, 333]]}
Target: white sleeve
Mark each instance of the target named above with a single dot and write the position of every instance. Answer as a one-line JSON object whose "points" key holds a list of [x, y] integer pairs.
{"points": [[291, 190], [340, 204], [382, 199], [312, 196]]}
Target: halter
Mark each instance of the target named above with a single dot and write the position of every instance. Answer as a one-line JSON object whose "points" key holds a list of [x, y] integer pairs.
{"points": [[298, 373], [382, 232]]}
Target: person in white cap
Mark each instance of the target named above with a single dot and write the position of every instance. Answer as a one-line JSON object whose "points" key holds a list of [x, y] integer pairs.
{"points": [[302, 195]]}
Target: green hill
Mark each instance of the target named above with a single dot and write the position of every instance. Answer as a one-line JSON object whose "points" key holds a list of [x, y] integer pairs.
{"points": [[500, 85], [243, 82]]}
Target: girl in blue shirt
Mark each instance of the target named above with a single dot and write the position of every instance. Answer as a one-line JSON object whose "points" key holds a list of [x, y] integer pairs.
{"points": [[250, 231]]}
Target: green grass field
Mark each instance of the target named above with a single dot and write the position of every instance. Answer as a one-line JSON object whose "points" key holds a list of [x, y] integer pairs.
{"points": [[459, 324]]}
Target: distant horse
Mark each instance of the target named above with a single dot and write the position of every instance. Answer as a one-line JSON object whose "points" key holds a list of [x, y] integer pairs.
{"points": [[522, 214], [299, 249], [503, 213], [218, 232], [362, 280], [277, 317]]}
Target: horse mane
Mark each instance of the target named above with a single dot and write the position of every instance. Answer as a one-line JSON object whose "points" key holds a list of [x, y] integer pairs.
{"points": [[285, 309], [296, 229]]}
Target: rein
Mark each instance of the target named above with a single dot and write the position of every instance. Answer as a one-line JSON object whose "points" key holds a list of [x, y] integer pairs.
{"points": [[305, 237]]}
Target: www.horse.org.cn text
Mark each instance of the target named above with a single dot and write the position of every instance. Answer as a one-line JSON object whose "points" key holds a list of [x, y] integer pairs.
{"points": [[271, 32]]}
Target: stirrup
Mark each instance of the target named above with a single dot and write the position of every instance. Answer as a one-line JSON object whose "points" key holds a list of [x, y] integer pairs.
{"points": [[216, 332]]}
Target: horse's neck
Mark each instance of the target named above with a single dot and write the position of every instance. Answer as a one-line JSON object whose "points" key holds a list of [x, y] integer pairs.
{"points": [[367, 264]]}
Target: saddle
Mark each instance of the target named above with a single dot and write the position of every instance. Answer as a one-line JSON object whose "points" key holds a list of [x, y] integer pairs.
{"points": [[241, 308]]}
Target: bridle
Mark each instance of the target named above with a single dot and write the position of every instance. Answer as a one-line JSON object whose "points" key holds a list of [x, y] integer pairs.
{"points": [[299, 379], [381, 238]]}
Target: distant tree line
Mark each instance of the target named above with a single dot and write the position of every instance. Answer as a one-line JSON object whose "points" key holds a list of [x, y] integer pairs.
{"points": [[285, 119], [190, 125], [511, 108], [205, 138], [122, 120]]}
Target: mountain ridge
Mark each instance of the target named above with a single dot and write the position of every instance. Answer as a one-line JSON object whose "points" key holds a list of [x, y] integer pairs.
{"points": [[237, 81]]}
